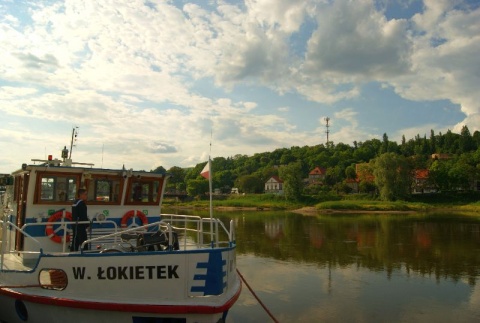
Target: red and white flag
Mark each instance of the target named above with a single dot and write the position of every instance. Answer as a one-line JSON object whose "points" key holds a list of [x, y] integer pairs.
{"points": [[206, 170]]}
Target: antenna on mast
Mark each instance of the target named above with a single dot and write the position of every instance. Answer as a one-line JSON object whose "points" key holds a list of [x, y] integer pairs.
{"points": [[74, 138], [327, 119]]}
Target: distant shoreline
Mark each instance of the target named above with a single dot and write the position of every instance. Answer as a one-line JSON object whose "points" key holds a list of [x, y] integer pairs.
{"points": [[312, 210]]}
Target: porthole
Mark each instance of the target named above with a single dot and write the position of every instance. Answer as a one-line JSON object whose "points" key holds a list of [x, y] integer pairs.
{"points": [[21, 310], [55, 279]]}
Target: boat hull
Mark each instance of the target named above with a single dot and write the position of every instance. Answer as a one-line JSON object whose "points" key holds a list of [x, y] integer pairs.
{"points": [[15, 310], [188, 286]]}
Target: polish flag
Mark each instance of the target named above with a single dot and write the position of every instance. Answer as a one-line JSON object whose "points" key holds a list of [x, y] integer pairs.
{"points": [[206, 171]]}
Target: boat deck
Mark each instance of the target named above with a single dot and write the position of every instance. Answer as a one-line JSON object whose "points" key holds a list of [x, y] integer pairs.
{"points": [[14, 262]]}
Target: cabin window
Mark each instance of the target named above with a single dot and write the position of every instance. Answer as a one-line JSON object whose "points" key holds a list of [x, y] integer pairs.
{"points": [[144, 191], [105, 189], [47, 188], [57, 188]]}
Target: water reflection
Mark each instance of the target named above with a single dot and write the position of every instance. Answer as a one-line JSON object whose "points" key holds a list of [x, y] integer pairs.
{"points": [[357, 268], [441, 245]]}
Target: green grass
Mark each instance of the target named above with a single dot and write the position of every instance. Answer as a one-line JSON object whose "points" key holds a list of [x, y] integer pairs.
{"points": [[269, 201], [351, 202], [472, 207], [370, 205]]}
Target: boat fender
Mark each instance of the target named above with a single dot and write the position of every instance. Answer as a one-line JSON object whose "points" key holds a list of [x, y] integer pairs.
{"points": [[131, 214], [49, 227]]}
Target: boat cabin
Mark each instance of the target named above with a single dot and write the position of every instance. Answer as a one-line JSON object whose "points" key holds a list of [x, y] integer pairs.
{"points": [[40, 197]]}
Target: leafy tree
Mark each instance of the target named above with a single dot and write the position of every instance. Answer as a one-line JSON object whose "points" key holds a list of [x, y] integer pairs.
{"points": [[159, 170], [194, 173], [286, 158], [197, 187], [459, 176], [250, 184], [223, 179], [466, 142], [292, 180], [366, 187], [433, 142], [392, 176], [339, 159], [450, 142], [334, 175], [476, 138], [384, 147], [367, 150], [177, 181], [438, 175], [350, 172], [265, 173]]}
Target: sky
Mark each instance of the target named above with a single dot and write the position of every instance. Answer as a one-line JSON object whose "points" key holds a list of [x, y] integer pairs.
{"points": [[155, 83]]}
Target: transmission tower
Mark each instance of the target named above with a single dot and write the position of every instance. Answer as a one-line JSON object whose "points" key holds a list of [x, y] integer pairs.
{"points": [[327, 119]]}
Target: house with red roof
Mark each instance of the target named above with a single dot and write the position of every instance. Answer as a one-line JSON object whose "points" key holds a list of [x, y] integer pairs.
{"points": [[364, 173], [317, 175], [421, 183]]}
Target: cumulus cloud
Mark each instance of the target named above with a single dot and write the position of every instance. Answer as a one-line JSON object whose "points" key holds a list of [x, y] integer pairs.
{"points": [[354, 40], [157, 78]]}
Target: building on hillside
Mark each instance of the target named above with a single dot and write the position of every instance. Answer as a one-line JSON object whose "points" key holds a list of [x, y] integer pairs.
{"points": [[274, 185], [363, 173], [317, 175], [421, 183], [440, 156], [353, 184]]}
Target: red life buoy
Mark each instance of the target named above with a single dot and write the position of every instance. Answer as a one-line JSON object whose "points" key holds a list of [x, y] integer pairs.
{"points": [[49, 227], [131, 214]]}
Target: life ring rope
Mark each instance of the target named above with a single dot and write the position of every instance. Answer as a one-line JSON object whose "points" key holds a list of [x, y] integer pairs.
{"points": [[52, 233]]}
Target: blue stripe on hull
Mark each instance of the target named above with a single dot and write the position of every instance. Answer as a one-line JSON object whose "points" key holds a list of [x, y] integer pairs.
{"points": [[214, 278]]}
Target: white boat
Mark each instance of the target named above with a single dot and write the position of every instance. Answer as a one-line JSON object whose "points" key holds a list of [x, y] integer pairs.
{"points": [[142, 265]]}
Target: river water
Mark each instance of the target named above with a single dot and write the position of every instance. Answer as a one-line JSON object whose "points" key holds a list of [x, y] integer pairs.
{"points": [[357, 268]]}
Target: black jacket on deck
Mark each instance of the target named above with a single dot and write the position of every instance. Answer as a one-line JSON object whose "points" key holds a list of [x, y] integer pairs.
{"points": [[79, 213]]}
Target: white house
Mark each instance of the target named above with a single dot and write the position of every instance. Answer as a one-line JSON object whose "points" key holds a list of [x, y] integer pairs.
{"points": [[274, 185]]}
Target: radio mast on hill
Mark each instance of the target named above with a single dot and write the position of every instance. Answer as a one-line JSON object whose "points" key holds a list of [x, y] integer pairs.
{"points": [[327, 119]]}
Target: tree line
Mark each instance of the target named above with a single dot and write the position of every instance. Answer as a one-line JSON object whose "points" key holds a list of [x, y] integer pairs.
{"points": [[391, 164]]}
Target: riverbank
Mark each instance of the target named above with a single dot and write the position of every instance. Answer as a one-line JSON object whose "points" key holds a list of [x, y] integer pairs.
{"points": [[312, 210], [255, 203]]}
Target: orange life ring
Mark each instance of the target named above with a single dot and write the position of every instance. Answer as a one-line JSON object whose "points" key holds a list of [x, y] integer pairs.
{"points": [[131, 214], [49, 227]]}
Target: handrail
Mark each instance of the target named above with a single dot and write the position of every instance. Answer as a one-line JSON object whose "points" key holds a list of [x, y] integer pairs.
{"points": [[2, 250], [63, 225], [4, 242], [169, 222], [115, 234], [21, 230]]}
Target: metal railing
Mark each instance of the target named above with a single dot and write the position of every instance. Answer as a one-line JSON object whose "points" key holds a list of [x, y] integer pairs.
{"points": [[194, 233]]}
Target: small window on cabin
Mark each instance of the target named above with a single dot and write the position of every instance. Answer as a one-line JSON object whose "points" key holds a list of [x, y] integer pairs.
{"points": [[71, 189], [156, 185], [47, 188], [105, 190], [57, 188], [140, 192], [144, 191]]}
